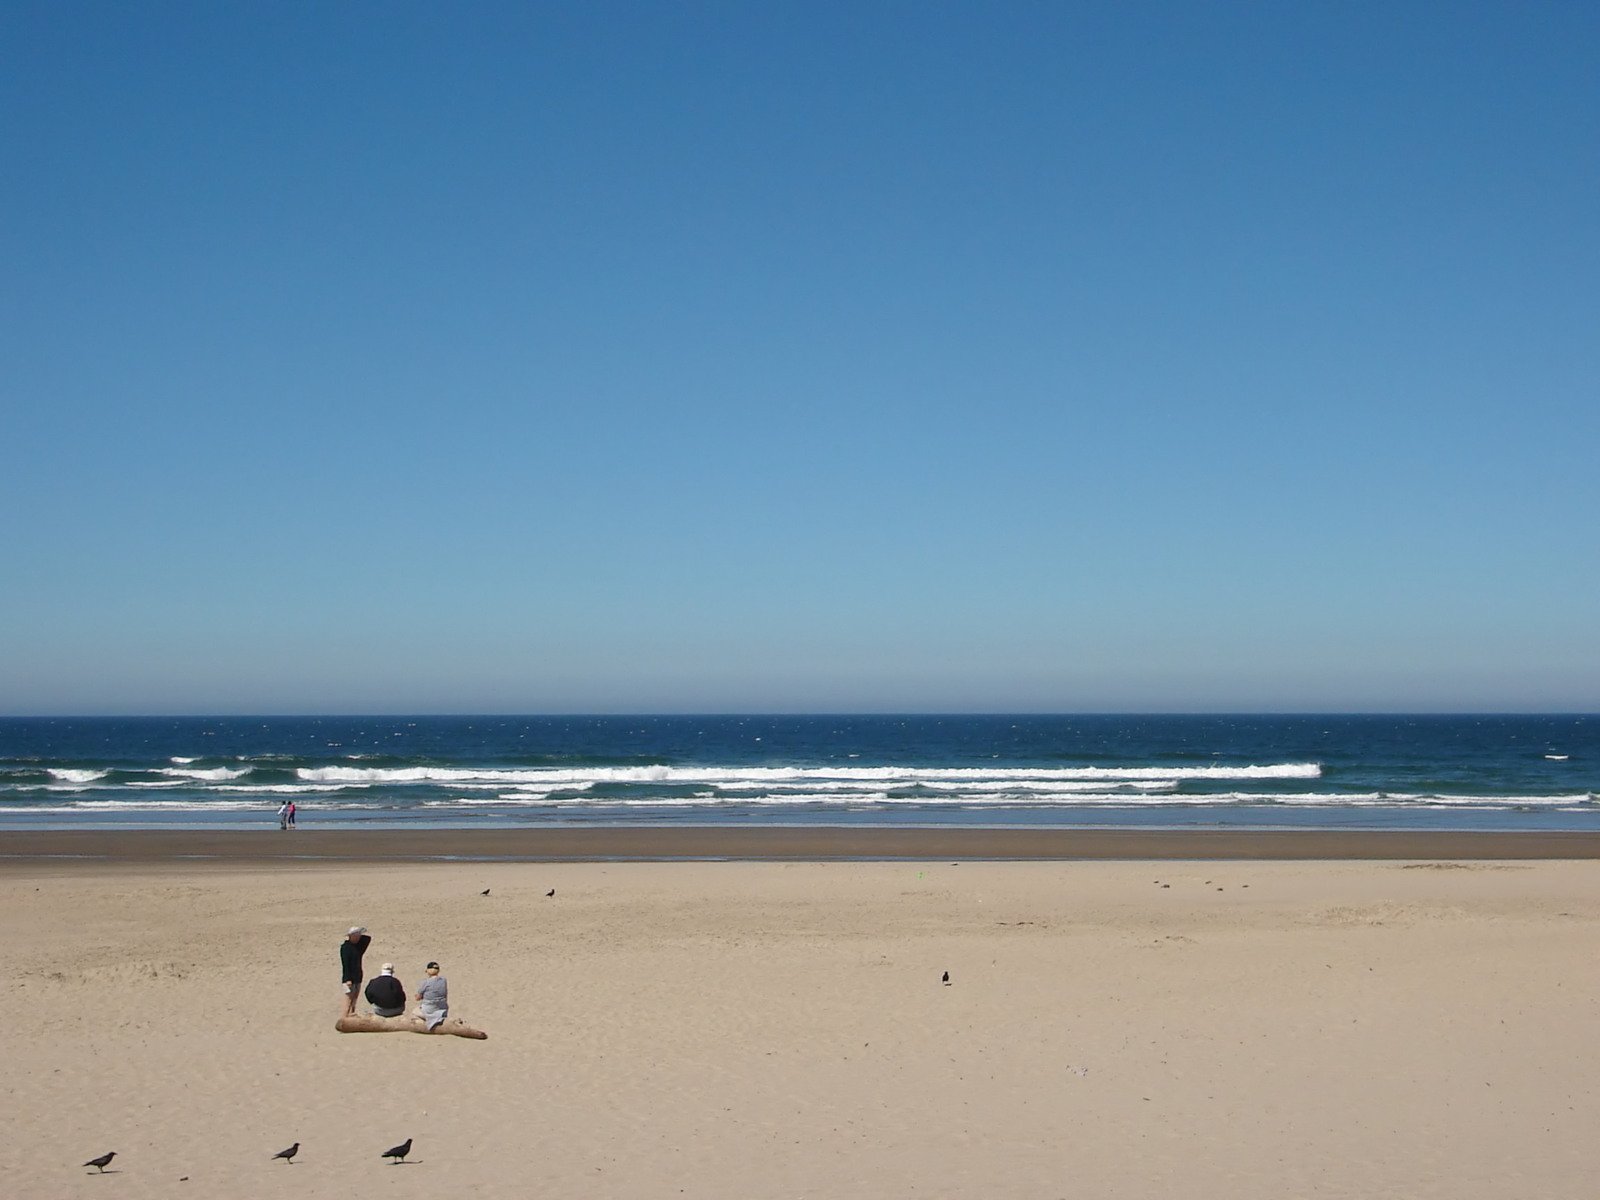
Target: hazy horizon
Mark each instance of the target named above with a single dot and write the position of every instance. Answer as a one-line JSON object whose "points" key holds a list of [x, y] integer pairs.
{"points": [[780, 714]]}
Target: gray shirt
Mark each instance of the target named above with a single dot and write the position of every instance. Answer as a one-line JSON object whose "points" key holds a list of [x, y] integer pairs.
{"points": [[434, 992]]}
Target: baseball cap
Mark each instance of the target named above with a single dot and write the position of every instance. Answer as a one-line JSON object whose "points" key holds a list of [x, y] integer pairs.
{"points": [[357, 929]]}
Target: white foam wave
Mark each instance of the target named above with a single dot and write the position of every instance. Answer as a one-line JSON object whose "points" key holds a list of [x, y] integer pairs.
{"points": [[204, 774], [862, 798], [758, 776], [827, 800], [293, 789], [75, 775], [506, 801], [169, 805], [413, 775], [1384, 799], [1021, 787]]}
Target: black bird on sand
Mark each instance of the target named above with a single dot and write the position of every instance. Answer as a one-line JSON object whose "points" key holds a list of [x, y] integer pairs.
{"points": [[946, 979], [288, 1155], [103, 1161], [550, 893], [485, 892], [398, 1153]]}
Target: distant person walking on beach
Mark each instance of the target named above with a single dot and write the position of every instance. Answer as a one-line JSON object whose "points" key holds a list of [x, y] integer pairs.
{"points": [[293, 808], [433, 998], [283, 816], [350, 951]]}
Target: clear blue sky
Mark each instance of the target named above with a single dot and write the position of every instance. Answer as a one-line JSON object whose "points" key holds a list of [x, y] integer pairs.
{"points": [[626, 357]]}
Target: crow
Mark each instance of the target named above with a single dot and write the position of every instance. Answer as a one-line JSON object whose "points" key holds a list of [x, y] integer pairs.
{"points": [[485, 892], [288, 1155], [103, 1161], [398, 1153], [946, 980], [550, 893]]}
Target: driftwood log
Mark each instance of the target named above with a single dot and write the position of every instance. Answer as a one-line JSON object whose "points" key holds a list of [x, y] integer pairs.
{"points": [[371, 1024]]}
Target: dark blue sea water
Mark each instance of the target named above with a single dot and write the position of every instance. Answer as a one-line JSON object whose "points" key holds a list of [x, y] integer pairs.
{"points": [[1432, 772]]}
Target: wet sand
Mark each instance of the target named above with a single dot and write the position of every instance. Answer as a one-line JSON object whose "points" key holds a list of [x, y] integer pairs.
{"points": [[808, 844]]}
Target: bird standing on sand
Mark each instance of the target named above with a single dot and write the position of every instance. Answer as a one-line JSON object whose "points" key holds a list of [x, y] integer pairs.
{"points": [[103, 1161], [550, 893], [398, 1153], [288, 1155], [946, 979], [485, 892]]}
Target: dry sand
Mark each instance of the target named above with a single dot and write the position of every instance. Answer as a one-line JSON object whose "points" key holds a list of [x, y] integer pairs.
{"points": [[746, 1030]]}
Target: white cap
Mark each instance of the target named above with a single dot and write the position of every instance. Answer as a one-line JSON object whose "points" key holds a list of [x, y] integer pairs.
{"points": [[388, 968], [357, 929]]}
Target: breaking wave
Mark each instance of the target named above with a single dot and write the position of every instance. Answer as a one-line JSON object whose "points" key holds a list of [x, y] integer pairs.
{"points": [[780, 775]]}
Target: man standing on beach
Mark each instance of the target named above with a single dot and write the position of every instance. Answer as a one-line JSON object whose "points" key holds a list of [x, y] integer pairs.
{"points": [[350, 951]]}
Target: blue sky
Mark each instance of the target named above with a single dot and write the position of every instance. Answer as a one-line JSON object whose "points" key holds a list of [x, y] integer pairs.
{"points": [[729, 357]]}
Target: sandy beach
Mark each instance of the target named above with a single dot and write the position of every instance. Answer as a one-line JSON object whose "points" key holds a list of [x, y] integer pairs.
{"points": [[1193, 1027]]}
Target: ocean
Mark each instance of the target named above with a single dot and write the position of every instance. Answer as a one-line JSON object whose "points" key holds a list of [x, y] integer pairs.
{"points": [[1379, 772]]}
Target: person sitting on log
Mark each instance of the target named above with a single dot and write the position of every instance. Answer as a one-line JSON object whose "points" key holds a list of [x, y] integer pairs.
{"points": [[433, 998], [386, 994]]}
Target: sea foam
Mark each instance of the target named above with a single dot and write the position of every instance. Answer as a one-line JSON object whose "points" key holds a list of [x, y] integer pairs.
{"points": [[758, 776], [73, 775]]}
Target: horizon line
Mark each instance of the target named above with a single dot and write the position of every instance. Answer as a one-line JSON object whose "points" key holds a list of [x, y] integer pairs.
{"points": [[709, 714]]}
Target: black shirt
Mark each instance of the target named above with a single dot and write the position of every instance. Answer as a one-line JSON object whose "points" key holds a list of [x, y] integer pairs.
{"points": [[385, 992], [350, 957]]}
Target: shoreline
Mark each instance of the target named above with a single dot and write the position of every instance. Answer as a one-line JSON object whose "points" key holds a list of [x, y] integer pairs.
{"points": [[809, 844]]}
